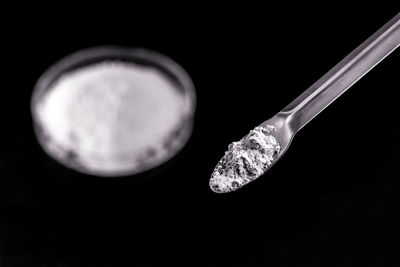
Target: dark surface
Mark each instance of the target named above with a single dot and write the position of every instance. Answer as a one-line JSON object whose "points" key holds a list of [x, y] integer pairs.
{"points": [[332, 200]]}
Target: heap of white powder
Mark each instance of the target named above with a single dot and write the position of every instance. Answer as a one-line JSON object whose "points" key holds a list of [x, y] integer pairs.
{"points": [[109, 118], [245, 160]]}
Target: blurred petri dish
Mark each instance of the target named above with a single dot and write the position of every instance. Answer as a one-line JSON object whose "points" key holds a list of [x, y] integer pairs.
{"points": [[113, 111]]}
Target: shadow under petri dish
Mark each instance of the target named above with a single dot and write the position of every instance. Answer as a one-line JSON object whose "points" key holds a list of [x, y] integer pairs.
{"points": [[112, 111]]}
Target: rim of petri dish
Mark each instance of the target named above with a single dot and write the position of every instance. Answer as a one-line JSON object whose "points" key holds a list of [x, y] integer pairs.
{"points": [[140, 56]]}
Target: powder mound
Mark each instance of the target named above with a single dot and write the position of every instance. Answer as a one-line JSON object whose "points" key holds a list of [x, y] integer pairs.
{"points": [[111, 118], [245, 160]]}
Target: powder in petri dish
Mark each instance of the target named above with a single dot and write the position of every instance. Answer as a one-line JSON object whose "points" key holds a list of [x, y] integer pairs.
{"points": [[245, 160], [108, 118]]}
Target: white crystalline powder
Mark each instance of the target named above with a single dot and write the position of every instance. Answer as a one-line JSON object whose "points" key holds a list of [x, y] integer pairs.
{"points": [[107, 117], [245, 160]]}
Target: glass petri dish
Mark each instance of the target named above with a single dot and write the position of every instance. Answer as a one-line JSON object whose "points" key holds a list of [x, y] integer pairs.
{"points": [[113, 111]]}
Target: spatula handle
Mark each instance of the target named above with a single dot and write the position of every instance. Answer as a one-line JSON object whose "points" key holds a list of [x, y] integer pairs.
{"points": [[341, 77]]}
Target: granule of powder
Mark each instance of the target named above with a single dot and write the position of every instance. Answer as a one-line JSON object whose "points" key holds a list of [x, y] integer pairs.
{"points": [[245, 160], [107, 118]]}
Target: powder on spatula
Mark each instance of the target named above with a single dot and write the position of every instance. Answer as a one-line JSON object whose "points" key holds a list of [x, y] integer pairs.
{"points": [[245, 160], [109, 118]]}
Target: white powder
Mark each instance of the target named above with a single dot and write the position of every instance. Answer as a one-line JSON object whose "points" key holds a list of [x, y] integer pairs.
{"points": [[245, 160], [109, 118]]}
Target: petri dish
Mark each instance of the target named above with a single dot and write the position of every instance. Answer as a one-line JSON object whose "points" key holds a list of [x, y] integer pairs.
{"points": [[113, 111]]}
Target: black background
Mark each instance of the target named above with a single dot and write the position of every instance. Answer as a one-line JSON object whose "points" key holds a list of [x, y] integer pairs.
{"points": [[332, 200]]}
